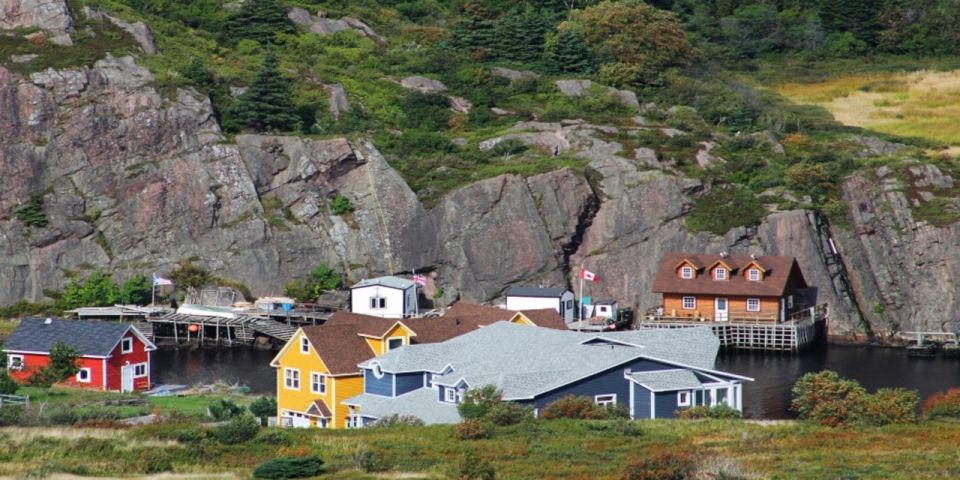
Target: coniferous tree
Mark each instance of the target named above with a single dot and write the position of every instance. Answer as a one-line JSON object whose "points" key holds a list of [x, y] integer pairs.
{"points": [[568, 52], [858, 17], [476, 31], [521, 34], [267, 105], [258, 20]]}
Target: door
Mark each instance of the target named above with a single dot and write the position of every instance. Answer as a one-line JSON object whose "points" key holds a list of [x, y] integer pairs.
{"points": [[720, 309], [126, 378]]}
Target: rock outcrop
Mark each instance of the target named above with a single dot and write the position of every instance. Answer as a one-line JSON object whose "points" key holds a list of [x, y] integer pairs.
{"points": [[50, 16], [321, 25], [138, 30]]}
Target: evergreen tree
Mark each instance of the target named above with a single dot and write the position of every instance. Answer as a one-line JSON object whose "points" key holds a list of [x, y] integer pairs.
{"points": [[521, 34], [858, 17], [96, 291], [63, 365], [259, 20], [135, 291], [476, 31], [266, 106], [568, 52]]}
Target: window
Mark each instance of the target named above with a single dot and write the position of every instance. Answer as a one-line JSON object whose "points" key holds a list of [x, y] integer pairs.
{"points": [[683, 399], [689, 303], [753, 275], [790, 301], [450, 395], [719, 273], [291, 378], [126, 345], [378, 303], [304, 344], [607, 400], [140, 370], [753, 304], [686, 272], [15, 362], [318, 383], [377, 370], [83, 375], [395, 342]]}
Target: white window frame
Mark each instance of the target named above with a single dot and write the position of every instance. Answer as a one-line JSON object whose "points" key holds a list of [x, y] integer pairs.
{"points": [[140, 366], [753, 274], [755, 301], [318, 380], [693, 303], [377, 370], [84, 372], [378, 303], [683, 398], [304, 344], [720, 273], [392, 339], [126, 345], [605, 400], [686, 272], [790, 301], [449, 394], [18, 359], [291, 378]]}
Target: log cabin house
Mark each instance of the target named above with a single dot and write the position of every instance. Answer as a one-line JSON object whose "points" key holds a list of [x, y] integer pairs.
{"points": [[730, 288]]}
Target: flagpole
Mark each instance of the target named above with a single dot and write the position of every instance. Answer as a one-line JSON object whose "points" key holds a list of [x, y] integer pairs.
{"points": [[580, 305], [153, 291], [416, 295]]}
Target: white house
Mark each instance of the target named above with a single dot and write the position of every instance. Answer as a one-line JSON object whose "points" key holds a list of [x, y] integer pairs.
{"points": [[388, 297], [534, 298], [603, 309]]}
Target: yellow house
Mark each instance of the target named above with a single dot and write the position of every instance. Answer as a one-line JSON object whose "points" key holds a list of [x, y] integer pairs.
{"points": [[318, 368]]}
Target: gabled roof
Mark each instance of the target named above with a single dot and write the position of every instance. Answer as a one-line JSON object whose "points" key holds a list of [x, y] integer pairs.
{"points": [[89, 338], [421, 403], [319, 408], [545, 317], [666, 380], [536, 292], [388, 281], [526, 361], [779, 271], [365, 324], [339, 346]]}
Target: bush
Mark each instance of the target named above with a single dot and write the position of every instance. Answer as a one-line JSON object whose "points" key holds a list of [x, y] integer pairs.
{"points": [[891, 405], [264, 407], [398, 421], [827, 398], [8, 386], [474, 467], [581, 408], [660, 466], [471, 430], [239, 430], [341, 205], [723, 209], [274, 437], [290, 467], [225, 409], [31, 213], [942, 405], [508, 413], [622, 427], [12, 415], [368, 460], [478, 402], [703, 411]]}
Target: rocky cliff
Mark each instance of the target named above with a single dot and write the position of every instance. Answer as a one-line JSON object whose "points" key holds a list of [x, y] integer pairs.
{"points": [[133, 181]]}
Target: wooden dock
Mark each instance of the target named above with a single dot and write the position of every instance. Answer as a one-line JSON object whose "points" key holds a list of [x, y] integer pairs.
{"points": [[215, 330], [929, 344], [799, 332]]}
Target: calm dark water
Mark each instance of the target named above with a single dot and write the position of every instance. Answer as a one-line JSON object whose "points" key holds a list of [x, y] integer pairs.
{"points": [[767, 397]]}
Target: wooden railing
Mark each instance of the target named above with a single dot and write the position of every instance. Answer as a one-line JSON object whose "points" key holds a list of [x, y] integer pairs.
{"points": [[6, 400], [805, 314]]}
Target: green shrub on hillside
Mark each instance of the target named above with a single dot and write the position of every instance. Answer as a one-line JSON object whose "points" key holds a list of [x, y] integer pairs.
{"points": [[724, 208], [581, 408], [830, 400], [472, 466], [472, 430], [891, 405], [225, 409], [238, 430], [258, 20], [661, 466], [264, 407], [8, 386], [31, 213], [943, 405], [290, 467], [704, 411], [341, 205]]}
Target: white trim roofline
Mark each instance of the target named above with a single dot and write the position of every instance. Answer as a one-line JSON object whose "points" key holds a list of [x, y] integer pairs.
{"points": [[30, 352]]}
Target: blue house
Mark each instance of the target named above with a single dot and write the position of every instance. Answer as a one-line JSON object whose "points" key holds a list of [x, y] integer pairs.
{"points": [[651, 373]]}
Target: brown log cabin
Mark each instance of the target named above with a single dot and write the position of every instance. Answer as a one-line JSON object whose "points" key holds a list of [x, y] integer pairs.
{"points": [[708, 287]]}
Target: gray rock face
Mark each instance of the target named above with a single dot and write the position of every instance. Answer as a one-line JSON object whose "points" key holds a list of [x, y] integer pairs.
{"points": [[50, 16], [328, 26], [338, 99], [138, 30], [515, 75], [579, 88], [423, 84]]}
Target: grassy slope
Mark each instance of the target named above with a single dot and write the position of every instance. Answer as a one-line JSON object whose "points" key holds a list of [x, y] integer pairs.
{"points": [[555, 449]]}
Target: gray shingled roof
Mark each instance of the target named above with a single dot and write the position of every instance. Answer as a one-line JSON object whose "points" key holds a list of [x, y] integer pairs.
{"points": [[421, 403], [88, 337], [526, 361], [666, 380], [389, 281], [535, 292]]}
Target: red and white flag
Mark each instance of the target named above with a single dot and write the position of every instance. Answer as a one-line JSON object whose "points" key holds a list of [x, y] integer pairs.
{"points": [[419, 279], [588, 275]]}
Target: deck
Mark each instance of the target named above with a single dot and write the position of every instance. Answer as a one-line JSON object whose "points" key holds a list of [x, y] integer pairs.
{"points": [[216, 330], [750, 331]]}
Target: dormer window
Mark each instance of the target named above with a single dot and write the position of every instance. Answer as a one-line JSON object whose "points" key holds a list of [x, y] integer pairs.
{"points": [[304, 345], [686, 272], [719, 273], [753, 275]]}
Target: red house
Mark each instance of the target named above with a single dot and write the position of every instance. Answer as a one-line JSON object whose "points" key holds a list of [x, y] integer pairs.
{"points": [[113, 356]]}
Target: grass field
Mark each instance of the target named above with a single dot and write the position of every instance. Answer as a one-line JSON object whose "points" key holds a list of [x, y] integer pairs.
{"points": [[924, 104], [544, 449]]}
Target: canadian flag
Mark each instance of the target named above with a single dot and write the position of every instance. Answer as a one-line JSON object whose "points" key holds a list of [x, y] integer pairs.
{"points": [[588, 275]]}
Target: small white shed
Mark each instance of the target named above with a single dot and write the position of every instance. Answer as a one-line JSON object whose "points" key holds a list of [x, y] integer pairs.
{"points": [[388, 297], [535, 298]]}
